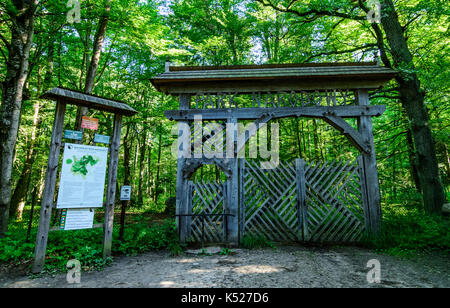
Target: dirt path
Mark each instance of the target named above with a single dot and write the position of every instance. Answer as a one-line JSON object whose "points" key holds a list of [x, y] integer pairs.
{"points": [[289, 266]]}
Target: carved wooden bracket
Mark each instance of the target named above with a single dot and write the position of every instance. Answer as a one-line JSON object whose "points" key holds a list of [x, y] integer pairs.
{"points": [[348, 131]]}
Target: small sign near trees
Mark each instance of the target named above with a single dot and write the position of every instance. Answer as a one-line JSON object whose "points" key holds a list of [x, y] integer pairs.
{"points": [[73, 134], [101, 139], [125, 193]]}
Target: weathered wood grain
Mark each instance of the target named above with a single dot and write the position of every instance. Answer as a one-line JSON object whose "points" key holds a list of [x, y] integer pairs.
{"points": [[111, 186], [370, 167], [49, 188]]}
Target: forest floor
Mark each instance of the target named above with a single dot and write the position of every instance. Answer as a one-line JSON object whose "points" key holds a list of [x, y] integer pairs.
{"points": [[287, 266]]}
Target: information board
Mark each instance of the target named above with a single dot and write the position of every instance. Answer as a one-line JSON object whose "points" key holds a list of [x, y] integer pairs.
{"points": [[77, 219], [83, 174]]}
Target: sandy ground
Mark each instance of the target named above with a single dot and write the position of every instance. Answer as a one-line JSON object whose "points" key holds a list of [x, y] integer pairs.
{"points": [[288, 266]]}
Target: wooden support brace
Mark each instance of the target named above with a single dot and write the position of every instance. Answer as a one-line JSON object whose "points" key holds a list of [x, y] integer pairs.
{"points": [[352, 134]]}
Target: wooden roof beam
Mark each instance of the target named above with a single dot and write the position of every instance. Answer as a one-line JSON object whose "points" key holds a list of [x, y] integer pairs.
{"points": [[276, 113]]}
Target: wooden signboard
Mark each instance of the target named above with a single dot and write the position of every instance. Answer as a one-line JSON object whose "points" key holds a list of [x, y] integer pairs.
{"points": [[80, 169]]}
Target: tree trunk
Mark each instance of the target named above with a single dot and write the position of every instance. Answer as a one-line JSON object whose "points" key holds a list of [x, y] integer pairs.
{"points": [[21, 189], [93, 64], [156, 192], [412, 98], [149, 170], [411, 155], [126, 179], [141, 168], [12, 92], [18, 197]]}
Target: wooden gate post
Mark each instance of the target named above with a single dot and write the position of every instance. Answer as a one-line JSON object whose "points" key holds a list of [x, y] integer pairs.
{"points": [[369, 169], [233, 208], [111, 189], [241, 199], [49, 188], [302, 211], [182, 182]]}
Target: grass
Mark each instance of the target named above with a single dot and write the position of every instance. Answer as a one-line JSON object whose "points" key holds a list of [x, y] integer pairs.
{"points": [[408, 230]]}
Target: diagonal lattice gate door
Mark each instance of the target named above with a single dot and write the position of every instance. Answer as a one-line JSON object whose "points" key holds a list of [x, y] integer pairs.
{"points": [[299, 201], [207, 206], [333, 202], [269, 200], [317, 202]]}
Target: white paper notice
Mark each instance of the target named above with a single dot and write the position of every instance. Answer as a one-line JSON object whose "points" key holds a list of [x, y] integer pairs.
{"points": [[77, 219], [83, 174]]}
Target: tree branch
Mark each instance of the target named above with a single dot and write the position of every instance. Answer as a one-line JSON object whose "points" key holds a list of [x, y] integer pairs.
{"points": [[312, 14], [337, 52]]}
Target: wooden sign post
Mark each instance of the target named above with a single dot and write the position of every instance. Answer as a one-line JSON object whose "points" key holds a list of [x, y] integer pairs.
{"points": [[62, 98], [125, 197]]}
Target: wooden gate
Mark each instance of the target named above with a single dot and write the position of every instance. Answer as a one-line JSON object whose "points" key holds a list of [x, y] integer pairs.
{"points": [[207, 206], [334, 204], [269, 204], [318, 202]]}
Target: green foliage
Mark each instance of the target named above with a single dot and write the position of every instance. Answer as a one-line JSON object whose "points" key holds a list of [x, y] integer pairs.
{"points": [[140, 238], [254, 242], [410, 231], [86, 246]]}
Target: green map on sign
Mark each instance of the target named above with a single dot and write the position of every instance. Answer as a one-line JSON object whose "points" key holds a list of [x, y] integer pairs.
{"points": [[79, 166]]}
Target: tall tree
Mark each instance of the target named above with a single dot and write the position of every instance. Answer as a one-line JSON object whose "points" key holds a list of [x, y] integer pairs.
{"points": [[411, 95], [20, 16]]}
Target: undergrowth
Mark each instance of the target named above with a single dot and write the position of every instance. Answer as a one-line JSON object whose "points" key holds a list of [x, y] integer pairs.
{"points": [[407, 231], [86, 245]]}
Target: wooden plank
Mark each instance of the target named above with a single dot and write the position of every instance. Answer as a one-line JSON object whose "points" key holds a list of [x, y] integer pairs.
{"points": [[370, 167], [250, 86], [276, 113], [111, 187], [88, 100], [364, 196], [301, 197], [233, 209], [242, 206], [182, 207], [49, 188], [189, 199]]}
